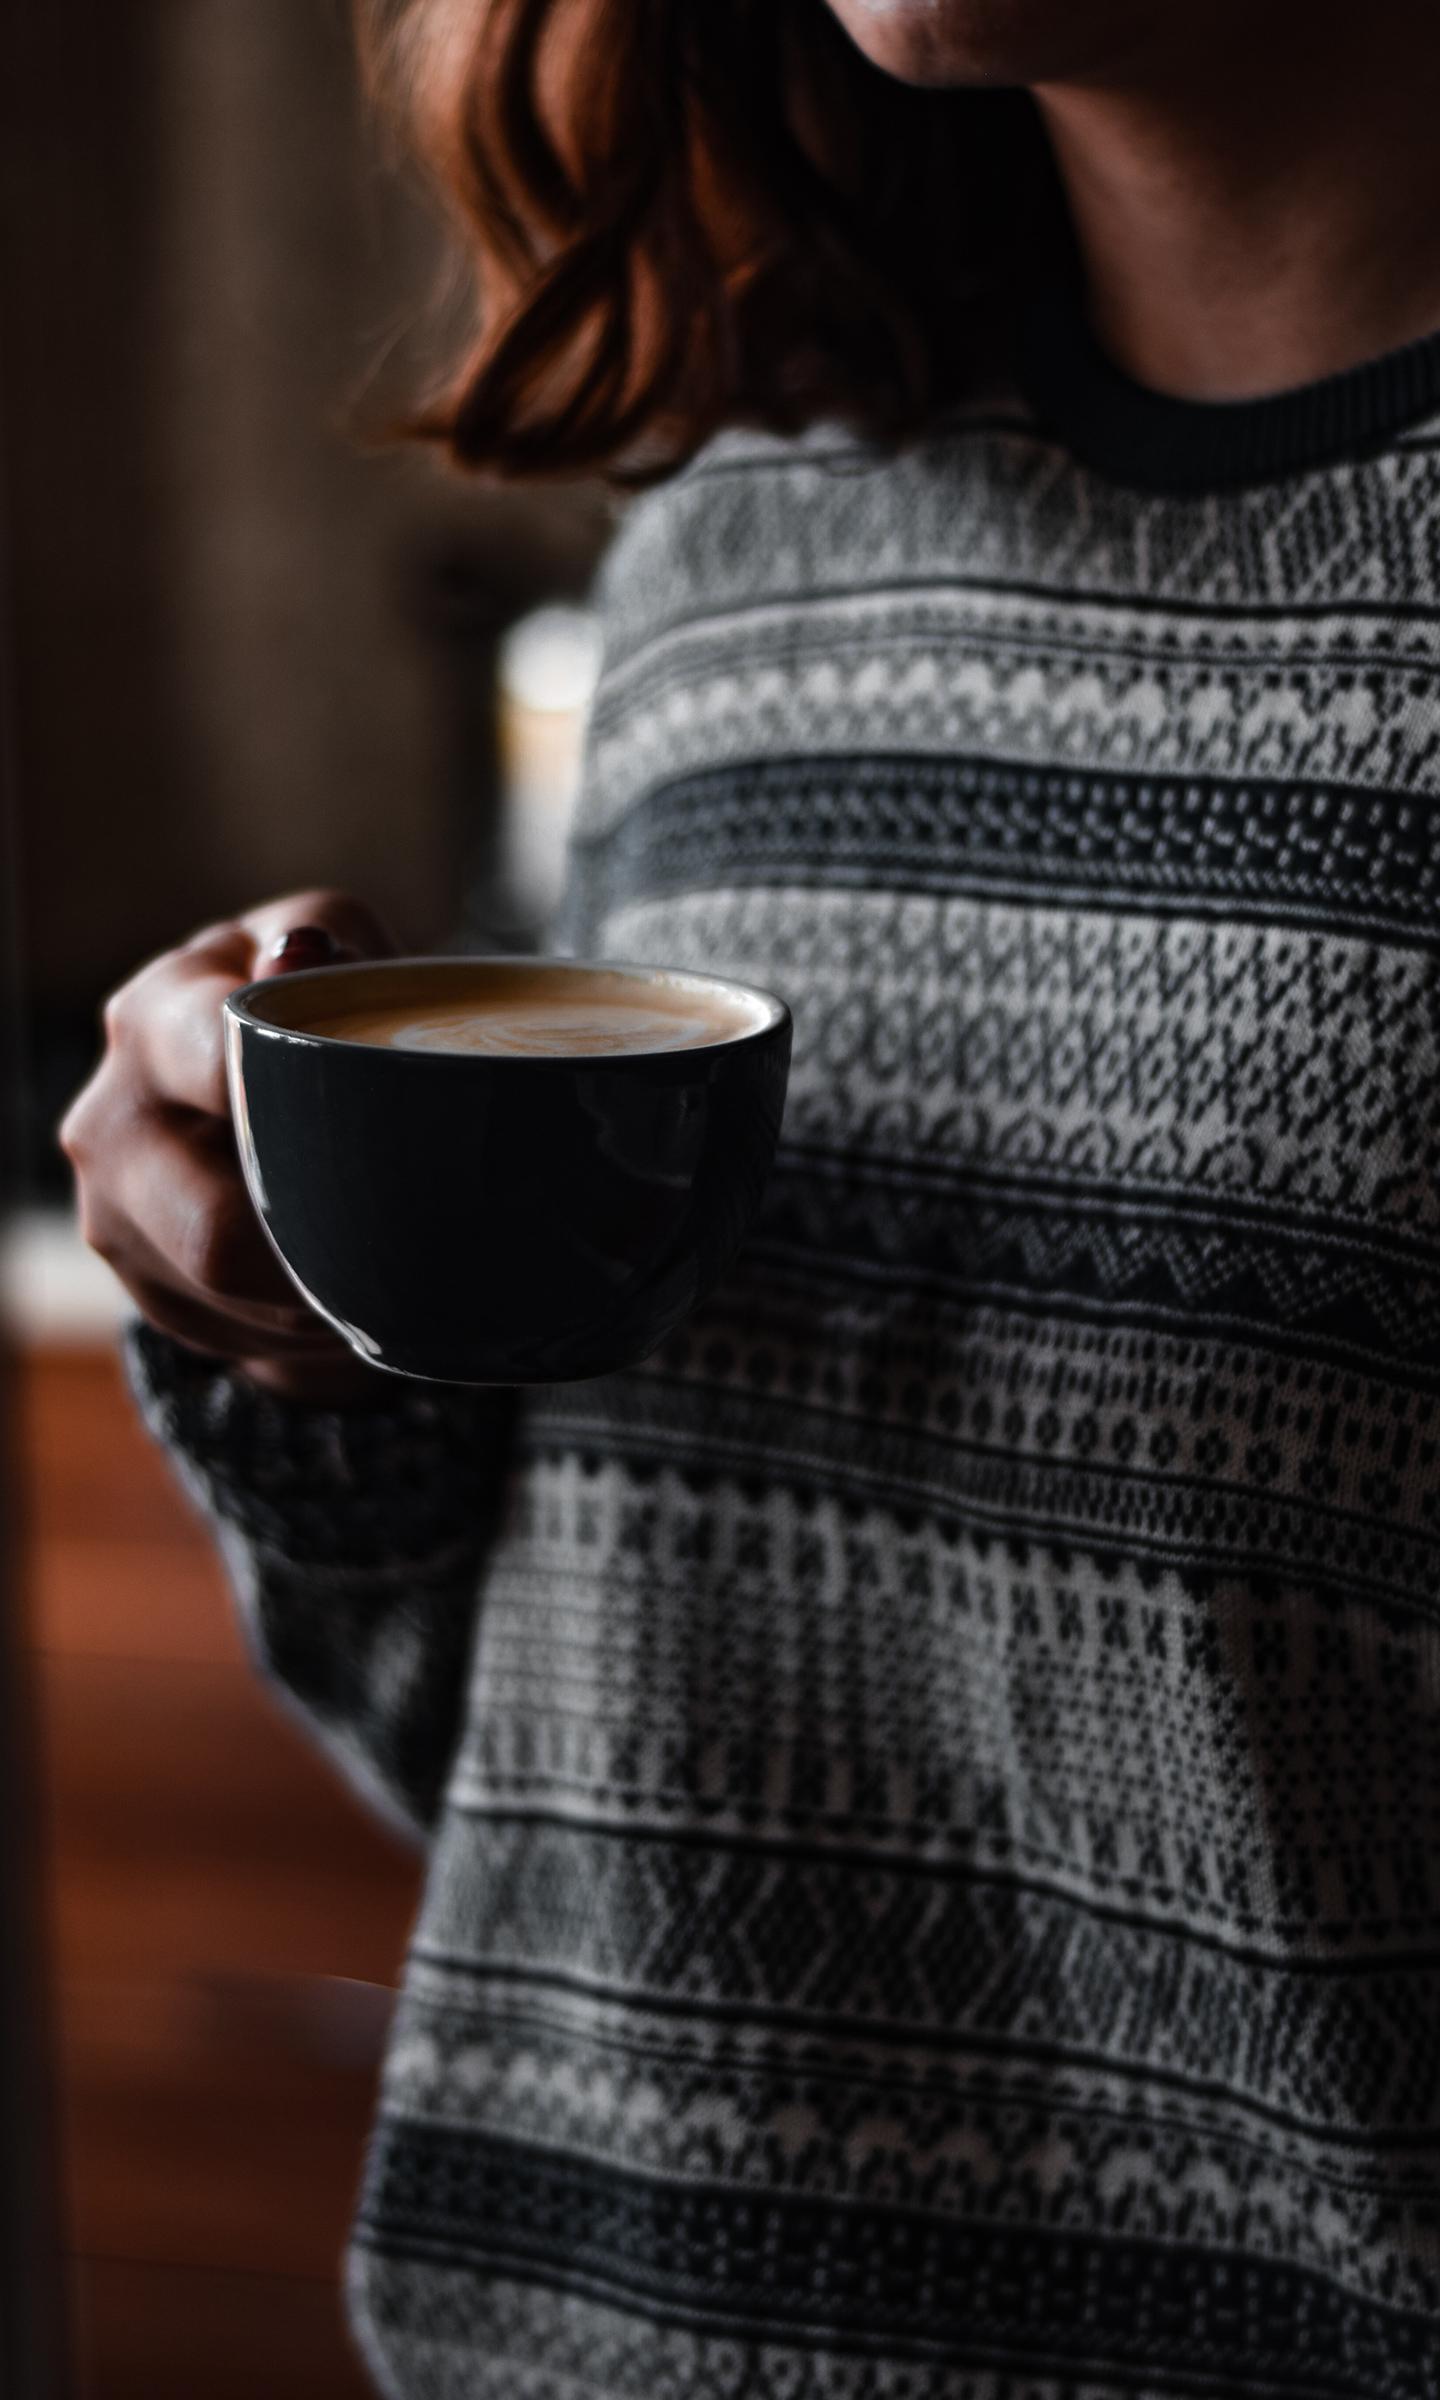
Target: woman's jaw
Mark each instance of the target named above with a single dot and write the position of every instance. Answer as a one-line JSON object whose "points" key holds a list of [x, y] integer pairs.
{"points": [[986, 42]]}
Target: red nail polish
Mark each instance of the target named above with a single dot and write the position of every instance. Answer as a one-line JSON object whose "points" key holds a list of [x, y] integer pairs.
{"points": [[306, 946]]}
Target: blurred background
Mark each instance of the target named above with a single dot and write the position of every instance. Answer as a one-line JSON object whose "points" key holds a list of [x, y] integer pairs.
{"points": [[244, 650]]}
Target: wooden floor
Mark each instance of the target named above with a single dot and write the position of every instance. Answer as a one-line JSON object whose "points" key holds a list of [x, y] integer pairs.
{"points": [[226, 1926]]}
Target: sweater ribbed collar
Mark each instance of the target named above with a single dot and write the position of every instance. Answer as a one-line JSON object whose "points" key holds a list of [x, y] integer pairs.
{"points": [[1155, 443]]}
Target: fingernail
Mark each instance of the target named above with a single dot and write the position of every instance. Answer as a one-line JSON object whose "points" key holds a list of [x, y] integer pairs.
{"points": [[306, 946]]}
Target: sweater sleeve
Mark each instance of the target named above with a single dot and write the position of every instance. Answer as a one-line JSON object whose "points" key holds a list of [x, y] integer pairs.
{"points": [[354, 1540]]}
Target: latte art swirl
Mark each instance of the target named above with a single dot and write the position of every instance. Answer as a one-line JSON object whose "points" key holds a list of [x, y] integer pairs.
{"points": [[551, 1030]]}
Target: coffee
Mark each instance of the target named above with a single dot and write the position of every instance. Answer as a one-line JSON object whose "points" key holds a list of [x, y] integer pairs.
{"points": [[532, 1012]]}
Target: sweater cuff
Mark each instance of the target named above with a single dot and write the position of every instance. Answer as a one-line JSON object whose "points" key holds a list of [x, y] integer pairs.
{"points": [[412, 1476]]}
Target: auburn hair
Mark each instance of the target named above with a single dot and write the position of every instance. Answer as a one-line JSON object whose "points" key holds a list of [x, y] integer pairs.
{"points": [[685, 214]]}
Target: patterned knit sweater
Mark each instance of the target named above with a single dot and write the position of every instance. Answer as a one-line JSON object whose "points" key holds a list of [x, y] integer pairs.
{"points": [[932, 1783]]}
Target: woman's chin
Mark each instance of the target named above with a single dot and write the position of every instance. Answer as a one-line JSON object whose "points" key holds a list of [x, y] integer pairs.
{"points": [[980, 42]]}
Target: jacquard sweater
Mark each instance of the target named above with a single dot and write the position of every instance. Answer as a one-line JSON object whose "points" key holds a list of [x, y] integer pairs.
{"points": [[931, 1784]]}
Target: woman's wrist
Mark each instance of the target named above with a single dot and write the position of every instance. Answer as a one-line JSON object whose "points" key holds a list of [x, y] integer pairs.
{"points": [[371, 1470]]}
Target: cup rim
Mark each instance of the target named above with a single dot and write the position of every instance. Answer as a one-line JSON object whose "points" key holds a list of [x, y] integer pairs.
{"points": [[241, 1007]]}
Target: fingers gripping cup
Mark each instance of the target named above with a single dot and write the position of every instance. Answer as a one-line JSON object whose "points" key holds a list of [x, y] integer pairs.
{"points": [[501, 1170]]}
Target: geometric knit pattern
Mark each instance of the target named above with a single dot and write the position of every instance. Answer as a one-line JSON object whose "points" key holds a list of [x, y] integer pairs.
{"points": [[934, 1871]]}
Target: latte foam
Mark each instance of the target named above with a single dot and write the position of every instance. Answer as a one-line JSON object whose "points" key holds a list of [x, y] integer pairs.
{"points": [[528, 1014]]}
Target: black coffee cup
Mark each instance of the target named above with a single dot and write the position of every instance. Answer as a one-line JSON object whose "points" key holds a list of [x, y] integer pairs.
{"points": [[474, 1218]]}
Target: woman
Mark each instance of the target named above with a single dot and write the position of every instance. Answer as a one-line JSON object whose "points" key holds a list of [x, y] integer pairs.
{"points": [[932, 1784]]}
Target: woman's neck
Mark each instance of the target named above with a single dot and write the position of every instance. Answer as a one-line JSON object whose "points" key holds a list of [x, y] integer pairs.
{"points": [[1261, 212]]}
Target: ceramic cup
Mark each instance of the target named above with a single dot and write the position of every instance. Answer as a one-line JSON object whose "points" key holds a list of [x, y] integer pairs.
{"points": [[473, 1218]]}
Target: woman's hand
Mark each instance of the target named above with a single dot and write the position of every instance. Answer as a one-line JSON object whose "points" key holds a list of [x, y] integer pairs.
{"points": [[161, 1195]]}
